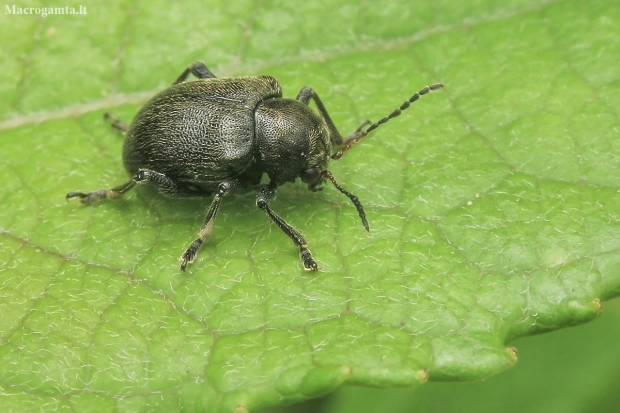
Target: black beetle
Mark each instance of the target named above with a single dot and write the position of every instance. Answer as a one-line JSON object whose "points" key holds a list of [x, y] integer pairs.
{"points": [[213, 135]]}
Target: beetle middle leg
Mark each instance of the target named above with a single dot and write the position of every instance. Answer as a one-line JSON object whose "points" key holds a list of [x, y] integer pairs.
{"points": [[197, 69], [264, 195]]}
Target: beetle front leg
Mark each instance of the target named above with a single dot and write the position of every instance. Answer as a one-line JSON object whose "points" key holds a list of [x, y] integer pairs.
{"points": [[306, 94], [264, 195], [207, 227]]}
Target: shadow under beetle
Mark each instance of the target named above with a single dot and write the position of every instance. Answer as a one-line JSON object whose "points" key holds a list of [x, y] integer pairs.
{"points": [[217, 136]]}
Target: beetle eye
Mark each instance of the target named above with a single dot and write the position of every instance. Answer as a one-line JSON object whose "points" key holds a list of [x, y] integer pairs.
{"points": [[310, 175]]}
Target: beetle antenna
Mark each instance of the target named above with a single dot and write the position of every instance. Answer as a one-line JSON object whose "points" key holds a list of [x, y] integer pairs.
{"points": [[353, 198], [359, 135]]}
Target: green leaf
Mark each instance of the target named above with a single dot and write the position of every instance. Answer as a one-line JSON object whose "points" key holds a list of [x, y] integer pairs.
{"points": [[493, 203], [573, 370]]}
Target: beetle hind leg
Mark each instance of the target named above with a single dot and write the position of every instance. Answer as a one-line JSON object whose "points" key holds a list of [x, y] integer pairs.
{"points": [[111, 193], [266, 194], [168, 186], [116, 123]]}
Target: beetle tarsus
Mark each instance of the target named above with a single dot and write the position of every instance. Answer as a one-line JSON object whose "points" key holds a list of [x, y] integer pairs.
{"points": [[306, 256], [356, 133], [88, 197], [189, 255], [112, 193]]}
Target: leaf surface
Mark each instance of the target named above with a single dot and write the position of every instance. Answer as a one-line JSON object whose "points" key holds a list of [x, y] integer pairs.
{"points": [[493, 203]]}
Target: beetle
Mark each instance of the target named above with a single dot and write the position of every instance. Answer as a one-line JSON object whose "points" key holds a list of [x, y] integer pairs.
{"points": [[214, 136]]}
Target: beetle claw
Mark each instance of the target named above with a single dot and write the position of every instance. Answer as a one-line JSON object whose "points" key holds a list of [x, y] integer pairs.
{"points": [[187, 259], [190, 254], [309, 263]]}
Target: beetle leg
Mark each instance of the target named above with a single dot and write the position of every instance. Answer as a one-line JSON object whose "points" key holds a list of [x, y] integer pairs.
{"points": [[112, 193], [197, 69], [116, 123], [264, 195], [168, 186], [207, 227], [357, 132], [304, 96]]}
